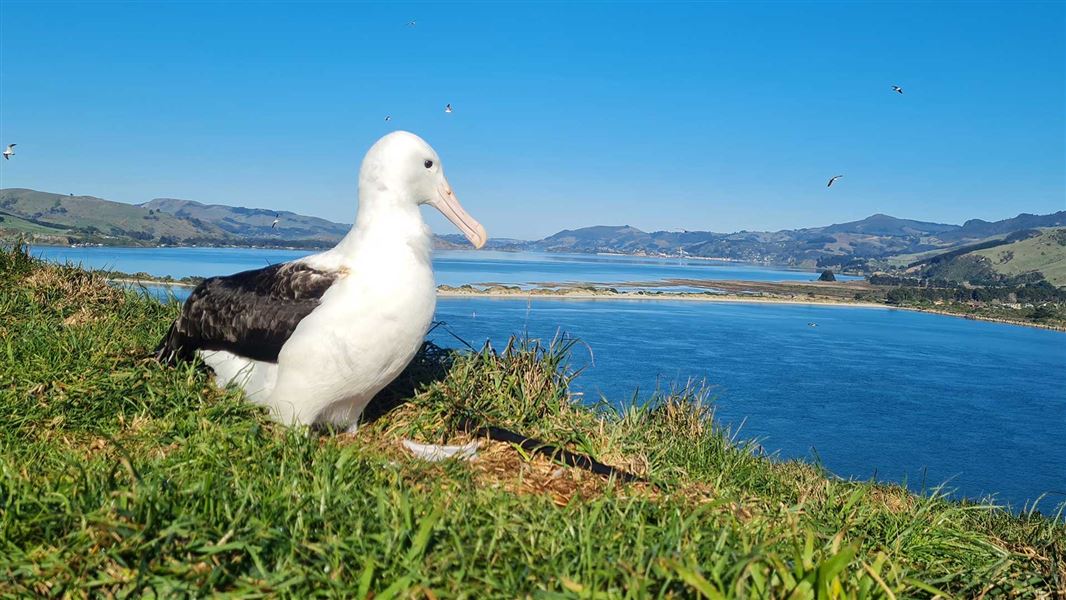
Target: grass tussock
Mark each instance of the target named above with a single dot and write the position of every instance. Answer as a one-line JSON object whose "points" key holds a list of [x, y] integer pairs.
{"points": [[122, 477]]}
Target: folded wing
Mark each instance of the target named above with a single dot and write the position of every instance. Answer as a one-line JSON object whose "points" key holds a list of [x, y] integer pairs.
{"points": [[251, 314]]}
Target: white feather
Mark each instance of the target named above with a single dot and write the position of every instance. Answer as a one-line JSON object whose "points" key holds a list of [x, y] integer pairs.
{"points": [[436, 453]]}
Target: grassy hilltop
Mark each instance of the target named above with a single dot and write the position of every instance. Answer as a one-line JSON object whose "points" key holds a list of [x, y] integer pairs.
{"points": [[1044, 253], [121, 477]]}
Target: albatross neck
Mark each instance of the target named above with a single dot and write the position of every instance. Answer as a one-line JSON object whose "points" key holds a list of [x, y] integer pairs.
{"points": [[386, 223]]}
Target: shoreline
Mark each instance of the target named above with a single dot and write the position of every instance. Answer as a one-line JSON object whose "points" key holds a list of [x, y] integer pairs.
{"points": [[729, 298], [450, 292], [676, 297]]}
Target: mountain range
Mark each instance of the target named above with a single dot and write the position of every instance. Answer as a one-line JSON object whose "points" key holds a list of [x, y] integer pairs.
{"points": [[876, 241]]}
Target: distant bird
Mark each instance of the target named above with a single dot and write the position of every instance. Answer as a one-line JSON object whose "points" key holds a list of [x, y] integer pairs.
{"points": [[412, 23], [832, 180], [388, 118], [812, 324], [447, 108], [276, 219], [11, 150], [897, 89]]}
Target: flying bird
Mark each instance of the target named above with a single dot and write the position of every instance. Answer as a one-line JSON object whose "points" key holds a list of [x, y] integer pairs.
{"points": [[277, 218], [315, 339], [897, 89], [388, 118], [10, 151], [447, 108], [832, 180], [412, 23]]}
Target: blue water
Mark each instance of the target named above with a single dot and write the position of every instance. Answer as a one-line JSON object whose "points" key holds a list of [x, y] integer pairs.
{"points": [[451, 267], [903, 396]]}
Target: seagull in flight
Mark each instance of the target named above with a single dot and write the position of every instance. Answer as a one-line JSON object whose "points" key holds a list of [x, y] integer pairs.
{"points": [[10, 151], [833, 179], [277, 218], [448, 108], [412, 23], [388, 118], [897, 89]]}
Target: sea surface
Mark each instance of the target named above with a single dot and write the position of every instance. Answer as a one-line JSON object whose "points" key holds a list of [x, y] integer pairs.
{"points": [[456, 267], [907, 397]]}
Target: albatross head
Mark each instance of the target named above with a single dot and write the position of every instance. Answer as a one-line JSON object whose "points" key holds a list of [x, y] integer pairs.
{"points": [[408, 168]]}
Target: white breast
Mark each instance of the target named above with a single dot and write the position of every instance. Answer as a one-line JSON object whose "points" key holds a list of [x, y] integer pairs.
{"points": [[367, 329]]}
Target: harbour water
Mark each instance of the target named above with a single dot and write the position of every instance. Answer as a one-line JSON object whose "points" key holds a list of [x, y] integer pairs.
{"points": [[450, 267], [868, 392]]}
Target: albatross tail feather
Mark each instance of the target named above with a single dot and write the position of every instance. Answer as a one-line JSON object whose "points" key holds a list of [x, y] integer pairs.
{"points": [[169, 350]]}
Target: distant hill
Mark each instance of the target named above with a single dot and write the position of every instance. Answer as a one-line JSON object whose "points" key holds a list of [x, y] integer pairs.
{"points": [[884, 225], [61, 219], [877, 242], [1043, 253], [90, 218], [854, 244], [976, 228], [252, 222]]}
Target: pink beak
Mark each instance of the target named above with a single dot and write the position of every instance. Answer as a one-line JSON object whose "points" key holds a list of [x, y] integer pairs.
{"points": [[449, 206]]}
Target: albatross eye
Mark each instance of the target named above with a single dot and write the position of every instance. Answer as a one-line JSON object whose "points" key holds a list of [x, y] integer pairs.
{"points": [[429, 164]]}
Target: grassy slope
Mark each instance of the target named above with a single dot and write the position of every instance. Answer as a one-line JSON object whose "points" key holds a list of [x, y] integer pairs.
{"points": [[14, 224], [118, 475], [902, 260], [256, 222], [86, 211], [1045, 253]]}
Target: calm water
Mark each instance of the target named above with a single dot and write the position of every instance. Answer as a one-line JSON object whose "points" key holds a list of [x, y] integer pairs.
{"points": [[906, 396], [451, 267], [903, 395]]}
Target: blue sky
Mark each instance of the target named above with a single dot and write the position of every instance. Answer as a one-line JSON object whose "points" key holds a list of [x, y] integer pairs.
{"points": [[719, 116]]}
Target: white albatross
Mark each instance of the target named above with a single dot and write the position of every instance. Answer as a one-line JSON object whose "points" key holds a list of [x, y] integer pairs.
{"points": [[315, 339]]}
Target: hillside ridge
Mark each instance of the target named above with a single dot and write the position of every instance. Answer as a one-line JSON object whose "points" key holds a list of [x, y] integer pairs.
{"points": [[864, 245]]}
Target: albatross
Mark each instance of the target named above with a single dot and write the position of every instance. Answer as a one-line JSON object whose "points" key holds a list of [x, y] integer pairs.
{"points": [[315, 339]]}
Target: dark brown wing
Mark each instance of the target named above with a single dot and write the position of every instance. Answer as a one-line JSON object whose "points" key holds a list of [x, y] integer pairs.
{"points": [[251, 314]]}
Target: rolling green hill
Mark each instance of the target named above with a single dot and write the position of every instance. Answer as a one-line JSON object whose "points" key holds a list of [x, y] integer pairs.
{"points": [[252, 222], [86, 217], [1044, 253], [61, 219]]}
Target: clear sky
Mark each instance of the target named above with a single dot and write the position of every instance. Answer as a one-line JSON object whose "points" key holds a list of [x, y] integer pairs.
{"points": [[719, 116]]}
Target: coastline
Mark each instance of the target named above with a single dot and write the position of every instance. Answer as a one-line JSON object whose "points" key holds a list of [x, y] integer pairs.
{"points": [[445, 291], [681, 297], [726, 298]]}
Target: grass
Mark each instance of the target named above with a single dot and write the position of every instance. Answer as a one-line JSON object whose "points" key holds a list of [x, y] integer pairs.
{"points": [[122, 477], [1045, 253], [11, 225]]}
